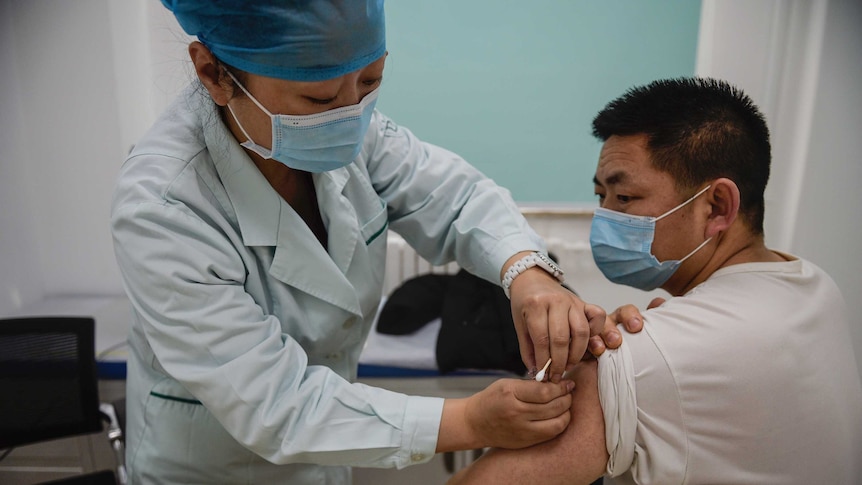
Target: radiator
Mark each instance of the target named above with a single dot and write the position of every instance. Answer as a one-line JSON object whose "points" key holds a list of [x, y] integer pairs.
{"points": [[566, 233], [403, 263]]}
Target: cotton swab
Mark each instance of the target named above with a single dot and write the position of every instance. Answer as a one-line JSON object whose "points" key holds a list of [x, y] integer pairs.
{"points": [[540, 376]]}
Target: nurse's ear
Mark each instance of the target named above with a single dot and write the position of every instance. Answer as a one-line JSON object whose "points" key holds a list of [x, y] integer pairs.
{"points": [[723, 198], [211, 73]]}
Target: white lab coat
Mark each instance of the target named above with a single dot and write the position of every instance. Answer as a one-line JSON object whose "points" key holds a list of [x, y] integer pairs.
{"points": [[247, 332]]}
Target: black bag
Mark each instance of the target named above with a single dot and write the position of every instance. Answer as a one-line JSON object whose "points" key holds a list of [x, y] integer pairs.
{"points": [[477, 330], [413, 304]]}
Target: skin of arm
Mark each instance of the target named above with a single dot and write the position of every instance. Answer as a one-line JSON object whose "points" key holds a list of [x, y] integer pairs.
{"points": [[577, 456]]}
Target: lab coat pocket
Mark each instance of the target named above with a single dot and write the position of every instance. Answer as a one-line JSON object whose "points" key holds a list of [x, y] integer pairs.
{"points": [[179, 432]]}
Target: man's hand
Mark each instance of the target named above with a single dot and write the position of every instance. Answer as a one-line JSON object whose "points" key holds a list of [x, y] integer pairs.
{"points": [[551, 321], [610, 338]]}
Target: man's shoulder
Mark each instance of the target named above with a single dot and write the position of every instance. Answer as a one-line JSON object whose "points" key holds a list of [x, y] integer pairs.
{"points": [[790, 279], [757, 300]]}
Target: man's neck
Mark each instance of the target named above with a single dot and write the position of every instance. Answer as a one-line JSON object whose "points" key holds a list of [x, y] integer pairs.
{"points": [[735, 246]]}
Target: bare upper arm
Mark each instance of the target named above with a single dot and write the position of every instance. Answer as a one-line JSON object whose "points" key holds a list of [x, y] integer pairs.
{"points": [[578, 455]]}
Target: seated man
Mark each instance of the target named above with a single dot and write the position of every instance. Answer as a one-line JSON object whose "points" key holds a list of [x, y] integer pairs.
{"points": [[747, 374]]}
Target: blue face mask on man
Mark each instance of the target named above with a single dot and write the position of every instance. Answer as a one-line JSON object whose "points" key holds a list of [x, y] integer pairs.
{"points": [[314, 143], [622, 248]]}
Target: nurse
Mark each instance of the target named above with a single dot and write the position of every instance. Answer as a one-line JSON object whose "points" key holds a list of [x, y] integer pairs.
{"points": [[250, 228]]}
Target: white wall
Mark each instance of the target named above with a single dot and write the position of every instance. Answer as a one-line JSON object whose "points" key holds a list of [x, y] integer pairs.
{"points": [[19, 279], [801, 62], [60, 115], [81, 81], [828, 226]]}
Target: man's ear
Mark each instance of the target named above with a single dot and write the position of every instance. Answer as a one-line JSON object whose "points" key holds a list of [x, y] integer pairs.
{"points": [[723, 197], [211, 73]]}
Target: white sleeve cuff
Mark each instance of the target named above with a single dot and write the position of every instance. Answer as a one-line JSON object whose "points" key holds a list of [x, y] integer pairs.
{"points": [[422, 425], [619, 404]]}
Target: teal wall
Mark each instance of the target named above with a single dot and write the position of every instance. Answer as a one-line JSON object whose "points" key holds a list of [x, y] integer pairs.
{"points": [[512, 86]]}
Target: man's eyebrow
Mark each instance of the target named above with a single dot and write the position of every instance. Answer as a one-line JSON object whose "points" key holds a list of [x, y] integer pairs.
{"points": [[613, 179]]}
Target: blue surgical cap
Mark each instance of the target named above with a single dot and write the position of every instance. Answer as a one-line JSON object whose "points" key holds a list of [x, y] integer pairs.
{"points": [[299, 40]]}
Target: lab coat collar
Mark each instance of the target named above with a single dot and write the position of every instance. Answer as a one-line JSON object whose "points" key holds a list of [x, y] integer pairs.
{"points": [[255, 203], [299, 260], [338, 215], [302, 262]]}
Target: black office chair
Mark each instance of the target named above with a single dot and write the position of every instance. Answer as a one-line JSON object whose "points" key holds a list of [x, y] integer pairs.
{"points": [[49, 387]]}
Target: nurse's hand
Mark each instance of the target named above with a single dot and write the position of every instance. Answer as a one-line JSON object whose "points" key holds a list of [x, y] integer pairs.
{"points": [[551, 321], [510, 413]]}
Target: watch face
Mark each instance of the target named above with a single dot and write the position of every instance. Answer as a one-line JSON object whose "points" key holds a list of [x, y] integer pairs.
{"points": [[549, 261], [551, 265]]}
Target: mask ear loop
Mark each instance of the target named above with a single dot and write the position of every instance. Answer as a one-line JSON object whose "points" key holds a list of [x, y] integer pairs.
{"points": [[250, 144], [682, 205], [239, 124], [695, 250], [679, 206], [262, 108]]}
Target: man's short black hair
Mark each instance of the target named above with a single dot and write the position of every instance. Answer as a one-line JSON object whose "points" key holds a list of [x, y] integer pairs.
{"points": [[698, 129]]}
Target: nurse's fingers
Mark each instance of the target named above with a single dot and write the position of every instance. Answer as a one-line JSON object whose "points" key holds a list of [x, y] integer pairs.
{"points": [[550, 409], [537, 325], [579, 329], [513, 413], [564, 330], [542, 401], [610, 335], [525, 342], [541, 311], [607, 337], [531, 313], [531, 392]]}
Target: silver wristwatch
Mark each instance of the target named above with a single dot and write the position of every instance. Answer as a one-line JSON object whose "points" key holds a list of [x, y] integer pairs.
{"points": [[528, 261]]}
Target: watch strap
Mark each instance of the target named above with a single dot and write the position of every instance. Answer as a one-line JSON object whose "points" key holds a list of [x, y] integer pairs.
{"points": [[533, 259]]}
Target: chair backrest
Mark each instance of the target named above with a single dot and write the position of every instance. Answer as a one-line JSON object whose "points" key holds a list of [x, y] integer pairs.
{"points": [[48, 379]]}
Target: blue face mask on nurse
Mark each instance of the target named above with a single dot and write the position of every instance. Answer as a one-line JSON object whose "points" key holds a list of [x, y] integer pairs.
{"points": [[313, 143], [303, 95]]}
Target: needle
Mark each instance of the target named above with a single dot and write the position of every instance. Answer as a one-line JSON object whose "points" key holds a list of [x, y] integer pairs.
{"points": [[540, 376]]}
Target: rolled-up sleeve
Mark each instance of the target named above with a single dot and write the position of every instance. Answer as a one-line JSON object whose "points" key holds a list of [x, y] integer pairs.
{"points": [[645, 432], [619, 405]]}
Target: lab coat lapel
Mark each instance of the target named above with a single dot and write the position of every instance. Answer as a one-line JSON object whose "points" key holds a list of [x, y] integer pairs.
{"points": [[339, 216], [356, 220], [301, 261]]}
